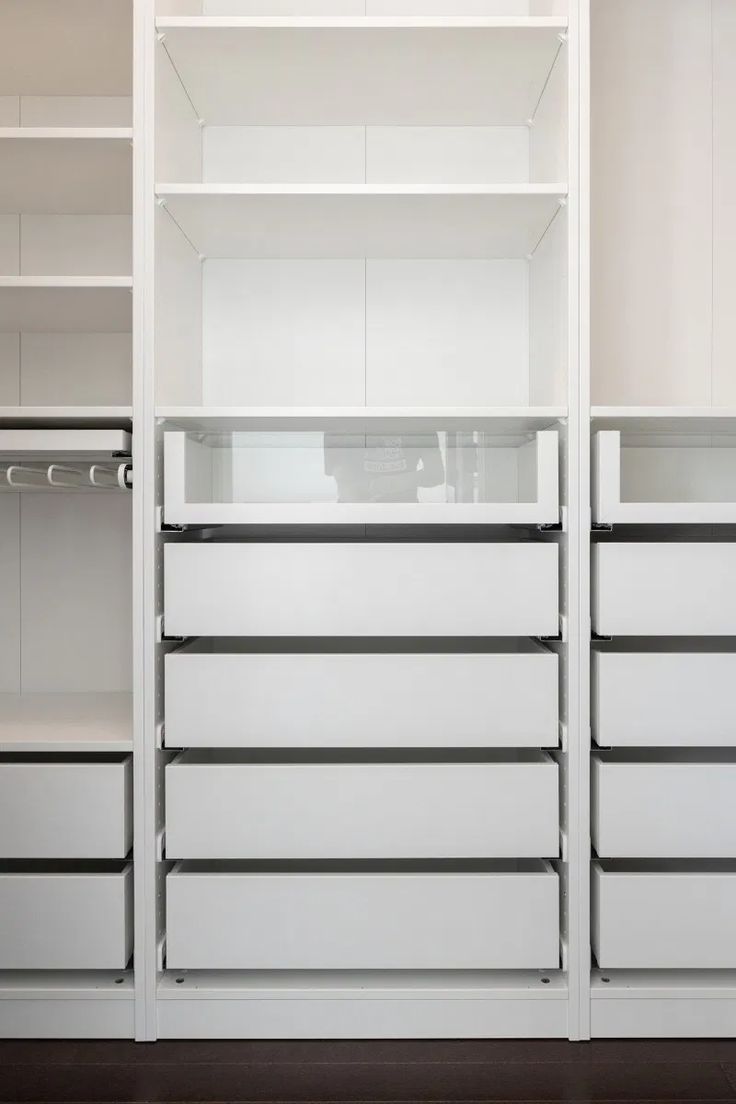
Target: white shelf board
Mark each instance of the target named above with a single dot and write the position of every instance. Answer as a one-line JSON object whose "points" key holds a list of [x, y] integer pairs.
{"points": [[282, 221], [49, 417], [66, 722], [75, 305], [67, 134], [504, 420], [361, 22], [76, 282], [80, 984], [362, 985], [409, 71], [682, 420]]}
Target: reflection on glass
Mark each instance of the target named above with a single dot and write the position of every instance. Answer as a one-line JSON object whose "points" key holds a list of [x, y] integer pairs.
{"points": [[311, 466], [383, 468]]}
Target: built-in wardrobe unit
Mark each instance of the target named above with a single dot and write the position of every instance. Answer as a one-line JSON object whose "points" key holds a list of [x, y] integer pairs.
{"points": [[368, 518]]}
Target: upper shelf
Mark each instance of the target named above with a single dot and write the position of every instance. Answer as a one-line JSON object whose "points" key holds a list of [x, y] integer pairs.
{"points": [[683, 420], [498, 419], [409, 71], [353, 221]]}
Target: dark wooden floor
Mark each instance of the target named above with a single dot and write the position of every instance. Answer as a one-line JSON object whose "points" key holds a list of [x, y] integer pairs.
{"points": [[368, 1071]]}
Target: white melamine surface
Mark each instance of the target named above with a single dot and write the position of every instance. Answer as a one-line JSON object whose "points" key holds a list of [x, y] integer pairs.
{"points": [[664, 589], [61, 442], [48, 171], [324, 477], [663, 481], [66, 808], [675, 916], [229, 808], [65, 306], [59, 919], [220, 696], [227, 919], [427, 72], [75, 48], [652, 202], [322, 221], [664, 699], [339, 589], [647, 807], [86, 722]]}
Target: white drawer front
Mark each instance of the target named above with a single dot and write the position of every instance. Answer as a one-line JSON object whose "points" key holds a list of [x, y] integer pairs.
{"points": [[650, 809], [232, 920], [676, 589], [72, 809], [235, 699], [664, 699], [66, 921], [674, 919], [237, 810], [412, 589]]}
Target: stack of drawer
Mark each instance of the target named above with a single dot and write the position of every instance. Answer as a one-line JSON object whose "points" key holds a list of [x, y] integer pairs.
{"points": [[664, 796], [348, 798], [66, 891]]}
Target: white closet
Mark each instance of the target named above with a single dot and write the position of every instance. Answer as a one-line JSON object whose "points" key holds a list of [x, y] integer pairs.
{"points": [[367, 504], [66, 551]]}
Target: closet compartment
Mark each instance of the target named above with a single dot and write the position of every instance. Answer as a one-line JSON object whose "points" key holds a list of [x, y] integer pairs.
{"points": [[221, 693], [232, 807], [66, 596], [668, 915], [659, 698], [223, 916], [681, 806], [661, 480], [55, 808], [57, 917], [344, 589], [379, 224], [387, 471], [658, 589]]}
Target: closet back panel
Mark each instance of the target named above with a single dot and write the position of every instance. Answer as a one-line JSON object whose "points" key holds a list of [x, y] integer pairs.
{"points": [[74, 48], [66, 584], [663, 178], [404, 333]]}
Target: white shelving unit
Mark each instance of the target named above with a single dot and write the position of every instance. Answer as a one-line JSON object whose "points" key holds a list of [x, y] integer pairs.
{"points": [[367, 464], [663, 424], [67, 719]]}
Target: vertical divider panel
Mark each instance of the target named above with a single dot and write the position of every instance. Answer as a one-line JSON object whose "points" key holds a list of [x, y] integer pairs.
{"points": [[144, 529], [578, 510]]}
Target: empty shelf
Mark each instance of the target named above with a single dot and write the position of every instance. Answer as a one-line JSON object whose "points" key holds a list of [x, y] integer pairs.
{"points": [[66, 722], [346, 221], [502, 419]]}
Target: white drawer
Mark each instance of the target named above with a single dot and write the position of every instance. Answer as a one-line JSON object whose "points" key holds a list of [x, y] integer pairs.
{"points": [[664, 699], [56, 919], [344, 589], [684, 807], [226, 918], [59, 808], [675, 915], [675, 589], [292, 477], [229, 808], [219, 694]]}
